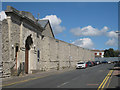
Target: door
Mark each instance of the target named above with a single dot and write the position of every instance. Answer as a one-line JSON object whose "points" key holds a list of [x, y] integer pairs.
{"points": [[26, 60], [28, 44], [16, 52]]}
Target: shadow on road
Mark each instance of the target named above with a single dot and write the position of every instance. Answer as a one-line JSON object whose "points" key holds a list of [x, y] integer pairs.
{"points": [[116, 67], [116, 88], [118, 75]]}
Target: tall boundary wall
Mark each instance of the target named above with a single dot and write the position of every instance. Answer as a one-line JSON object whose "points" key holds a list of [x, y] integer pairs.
{"points": [[57, 54]]}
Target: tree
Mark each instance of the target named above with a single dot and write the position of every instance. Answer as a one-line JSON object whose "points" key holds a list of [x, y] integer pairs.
{"points": [[106, 53], [117, 52], [111, 53]]}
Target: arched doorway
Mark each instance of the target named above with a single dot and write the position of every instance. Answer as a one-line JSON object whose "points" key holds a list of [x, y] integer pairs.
{"points": [[28, 44]]}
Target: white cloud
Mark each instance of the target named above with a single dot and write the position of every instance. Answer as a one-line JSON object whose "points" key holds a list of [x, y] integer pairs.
{"points": [[2, 15], [105, 29], [113, 39], [88, 31], [91, 31], [55, 23], [84, 42], [112, 34], [111, 42]]}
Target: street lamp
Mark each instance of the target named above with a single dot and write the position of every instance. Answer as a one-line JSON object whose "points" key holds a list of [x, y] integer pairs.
{"points": [[118, 32], [118, 44]]}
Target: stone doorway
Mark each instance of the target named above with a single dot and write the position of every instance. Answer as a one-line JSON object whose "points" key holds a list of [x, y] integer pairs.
{"points": [[28, 44], [16, 55]]}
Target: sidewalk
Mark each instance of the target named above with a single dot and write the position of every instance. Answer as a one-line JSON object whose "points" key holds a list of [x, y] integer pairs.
{"points": [[115, 81], [28, 77]]}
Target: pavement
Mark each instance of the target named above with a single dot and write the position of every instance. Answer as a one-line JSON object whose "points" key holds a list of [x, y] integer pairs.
{"points": [[115, 80]]}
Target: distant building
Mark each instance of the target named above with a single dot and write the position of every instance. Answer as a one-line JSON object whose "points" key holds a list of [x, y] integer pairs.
{"points": [[99, 53]]}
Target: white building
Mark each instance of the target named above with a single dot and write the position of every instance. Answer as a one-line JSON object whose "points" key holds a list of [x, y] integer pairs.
{"points": [[99, 53]]}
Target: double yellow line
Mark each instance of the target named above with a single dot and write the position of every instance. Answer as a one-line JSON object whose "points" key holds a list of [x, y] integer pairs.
{"points": [[102, 85]]}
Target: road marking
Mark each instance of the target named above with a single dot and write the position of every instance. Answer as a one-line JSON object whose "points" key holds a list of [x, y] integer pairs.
{"points": [[109, 82], [30, 79], [105, 80], [63, 84], [22, 81]]}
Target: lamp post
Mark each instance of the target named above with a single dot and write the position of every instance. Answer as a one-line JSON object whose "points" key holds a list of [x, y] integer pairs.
{"points": [[118, 32]]}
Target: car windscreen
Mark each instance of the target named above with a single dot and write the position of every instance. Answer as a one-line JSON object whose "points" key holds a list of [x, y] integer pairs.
{"points": [[88, 62], [80, 63]]}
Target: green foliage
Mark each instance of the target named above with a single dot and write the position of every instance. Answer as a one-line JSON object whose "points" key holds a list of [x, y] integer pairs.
{"points": [[111, 53]]}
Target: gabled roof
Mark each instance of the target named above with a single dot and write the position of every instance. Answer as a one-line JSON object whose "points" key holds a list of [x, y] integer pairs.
{"points": [[43, 24]]}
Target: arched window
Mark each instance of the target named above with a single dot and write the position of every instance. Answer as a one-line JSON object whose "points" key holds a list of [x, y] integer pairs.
{"points": [[28, 42]]}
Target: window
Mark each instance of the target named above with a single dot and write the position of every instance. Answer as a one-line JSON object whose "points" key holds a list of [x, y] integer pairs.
{"points": [[100, 53], [38, 55], [95, 53]]}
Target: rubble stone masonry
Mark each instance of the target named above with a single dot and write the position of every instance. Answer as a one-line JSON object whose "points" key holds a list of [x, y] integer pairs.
{"points": [[53, 53]]}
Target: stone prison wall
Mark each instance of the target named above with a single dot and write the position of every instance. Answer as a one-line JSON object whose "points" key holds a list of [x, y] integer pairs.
{"points": [[57, 54]]}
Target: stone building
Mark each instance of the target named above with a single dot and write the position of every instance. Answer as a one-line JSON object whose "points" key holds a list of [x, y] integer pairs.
{"points": [[29, 45]]}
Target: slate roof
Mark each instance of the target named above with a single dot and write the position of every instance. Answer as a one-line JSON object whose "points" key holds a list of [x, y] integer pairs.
{"points": [[43, 23]]}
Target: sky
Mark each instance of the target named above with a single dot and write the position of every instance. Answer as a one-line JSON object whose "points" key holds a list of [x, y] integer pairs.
{"points": [[89, 25]]}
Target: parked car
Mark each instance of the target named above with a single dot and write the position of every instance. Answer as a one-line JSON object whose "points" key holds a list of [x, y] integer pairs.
{"points": [[104, 62], [97, 62], [112, 61], [92, 63], [81, 65], [109, 62], [115, 61], [89, 64]]}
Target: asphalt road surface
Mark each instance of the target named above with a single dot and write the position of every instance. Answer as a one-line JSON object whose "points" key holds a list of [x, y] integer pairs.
{"points": [[91, 77]]}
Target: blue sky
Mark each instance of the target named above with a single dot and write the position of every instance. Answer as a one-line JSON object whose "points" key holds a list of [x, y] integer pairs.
{"points": [[89, 25]]}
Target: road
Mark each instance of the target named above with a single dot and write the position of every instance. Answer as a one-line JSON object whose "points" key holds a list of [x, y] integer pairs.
{"points": [[91, 77]]}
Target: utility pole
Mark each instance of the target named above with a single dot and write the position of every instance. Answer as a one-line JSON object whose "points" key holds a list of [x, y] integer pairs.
{"points": [[118, 32], [38, 16]]}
